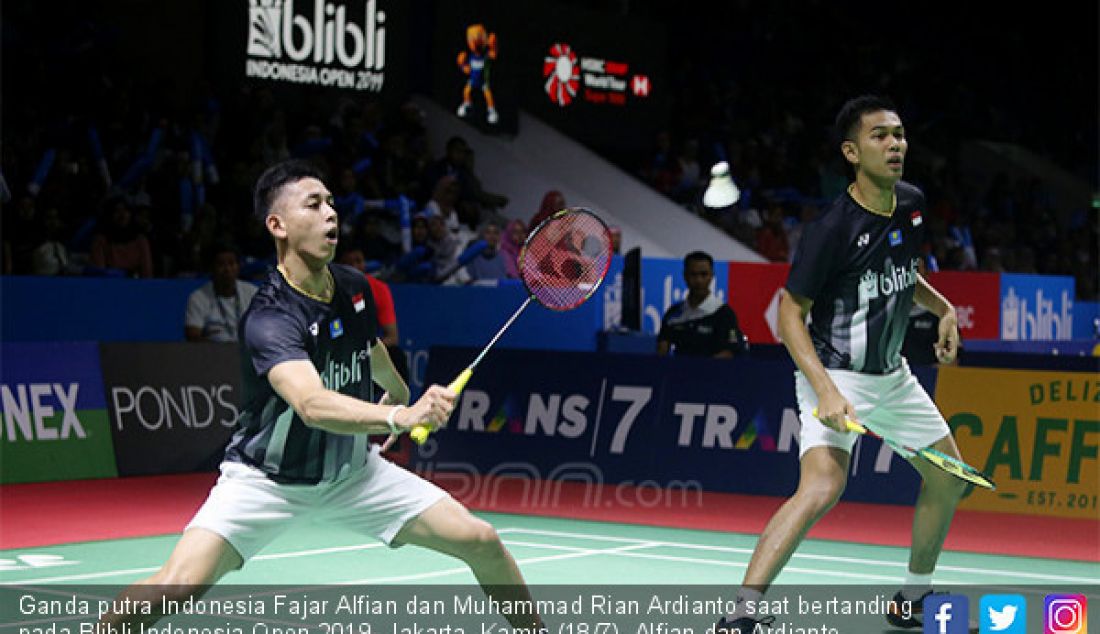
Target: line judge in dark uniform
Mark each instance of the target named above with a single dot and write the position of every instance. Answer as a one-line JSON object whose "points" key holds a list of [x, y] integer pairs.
{"points": [[702, 325]]}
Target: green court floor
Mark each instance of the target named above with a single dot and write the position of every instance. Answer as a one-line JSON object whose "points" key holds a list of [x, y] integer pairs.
{"points": [[549, 551]]}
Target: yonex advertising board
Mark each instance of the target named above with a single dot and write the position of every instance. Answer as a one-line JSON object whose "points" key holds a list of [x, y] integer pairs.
{"points": [[1037, 434], [54, 415], [173, 406], [667, 423]]}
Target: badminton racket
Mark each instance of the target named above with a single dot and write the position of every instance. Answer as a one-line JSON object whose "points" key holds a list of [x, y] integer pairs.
{"points": [[562, 263], [936, 458]]}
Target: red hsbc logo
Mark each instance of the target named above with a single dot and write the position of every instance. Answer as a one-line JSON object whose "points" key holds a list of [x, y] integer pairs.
{"points": [[640, 86]]}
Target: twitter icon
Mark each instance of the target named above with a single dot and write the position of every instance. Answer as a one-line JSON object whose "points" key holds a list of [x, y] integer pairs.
{"points": [[1003, 614]]}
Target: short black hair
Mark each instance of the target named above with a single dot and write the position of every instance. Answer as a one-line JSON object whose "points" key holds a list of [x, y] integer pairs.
{"points": [[698, 256], [218, 248], [272, 180], [847, 120]]}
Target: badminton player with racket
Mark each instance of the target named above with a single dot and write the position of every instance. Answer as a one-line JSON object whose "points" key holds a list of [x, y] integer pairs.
{"points": [[855, 273], [311, 354]]}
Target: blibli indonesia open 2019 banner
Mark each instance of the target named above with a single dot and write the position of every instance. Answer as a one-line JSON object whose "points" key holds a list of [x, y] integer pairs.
{"points": [[1036, 434], [666, 423], [54, 416], [351, 45]]}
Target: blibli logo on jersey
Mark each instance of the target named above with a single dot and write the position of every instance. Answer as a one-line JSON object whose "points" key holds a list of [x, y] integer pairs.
{"points": [[336, 374], [894, 280]]}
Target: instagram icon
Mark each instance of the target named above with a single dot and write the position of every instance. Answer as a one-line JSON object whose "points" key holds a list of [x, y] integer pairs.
{"points": [[1065, 614]]}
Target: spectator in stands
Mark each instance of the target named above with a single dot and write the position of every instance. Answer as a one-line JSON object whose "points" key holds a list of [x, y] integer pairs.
{"points": [[445, 251], [20, 234], [702, 324], [214, 309], [118, 245], [771, 238], [50, 257], [444, 203], [515, 233], [553, 201], [459, 162], [806, 215], [491, 263], [616, 239]]}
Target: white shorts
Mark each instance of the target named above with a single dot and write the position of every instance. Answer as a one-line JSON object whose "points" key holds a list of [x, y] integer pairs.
{"points": [[248, 509], [894, 405]]}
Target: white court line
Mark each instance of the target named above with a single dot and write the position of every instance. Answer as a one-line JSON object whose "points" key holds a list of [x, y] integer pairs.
{"points": [[855, 560], [622, 552], [532, 560], [117, 573]]}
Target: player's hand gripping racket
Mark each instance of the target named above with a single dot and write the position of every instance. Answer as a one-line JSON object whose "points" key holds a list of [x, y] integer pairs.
{"points": [[938, 459], [562, 263]]}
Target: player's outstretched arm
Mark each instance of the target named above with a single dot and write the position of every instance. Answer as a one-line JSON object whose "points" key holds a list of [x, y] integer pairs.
{"points": [[298, 383], [832, 406], [386, 375]]}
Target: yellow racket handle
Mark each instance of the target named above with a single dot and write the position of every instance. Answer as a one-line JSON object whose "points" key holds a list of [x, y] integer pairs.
{"points": [[849, 423], [419, 434]]}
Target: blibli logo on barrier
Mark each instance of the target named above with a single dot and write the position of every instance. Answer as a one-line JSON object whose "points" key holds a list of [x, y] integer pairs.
{"points": [[299, 47], [1036, 317]]}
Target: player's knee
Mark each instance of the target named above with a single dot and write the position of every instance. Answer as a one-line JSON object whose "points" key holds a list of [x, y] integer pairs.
{"points": [[482, 541], [821, 496]]}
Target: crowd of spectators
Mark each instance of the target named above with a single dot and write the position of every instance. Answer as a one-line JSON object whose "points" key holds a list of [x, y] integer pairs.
{"points": [[129, 181], [770, 117], [124, 184]]}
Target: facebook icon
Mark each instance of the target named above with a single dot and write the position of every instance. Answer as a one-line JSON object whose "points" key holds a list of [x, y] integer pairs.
{"points": [[946, 614]]}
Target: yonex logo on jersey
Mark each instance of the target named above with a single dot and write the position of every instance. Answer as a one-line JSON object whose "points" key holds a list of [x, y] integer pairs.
{"points": [[314, 329], [863, 240], [336, 328], [895, 237]]}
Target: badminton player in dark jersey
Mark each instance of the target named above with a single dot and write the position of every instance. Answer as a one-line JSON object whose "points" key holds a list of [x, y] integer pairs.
{"points": [[855, 274], [310, 358]]}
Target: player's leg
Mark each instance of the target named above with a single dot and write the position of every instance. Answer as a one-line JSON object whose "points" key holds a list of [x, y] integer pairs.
{"points": [[823, 474], [398, 507], [939, 495], [490, 105], [244, 511], [908, 415], [200, 558]]}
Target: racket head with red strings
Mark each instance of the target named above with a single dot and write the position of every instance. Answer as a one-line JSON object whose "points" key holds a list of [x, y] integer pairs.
{"points": [[565, 259]]}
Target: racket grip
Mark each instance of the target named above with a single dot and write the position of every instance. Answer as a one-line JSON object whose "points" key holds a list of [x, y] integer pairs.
{"points": [[419, 434], [849, 423]]}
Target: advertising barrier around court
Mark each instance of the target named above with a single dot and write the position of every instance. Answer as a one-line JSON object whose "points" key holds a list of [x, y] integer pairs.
{"points": [[172, 406], [674, 424], [54, 416], [976, 297], [754, 295], [1036, 307], [1036, 433]]}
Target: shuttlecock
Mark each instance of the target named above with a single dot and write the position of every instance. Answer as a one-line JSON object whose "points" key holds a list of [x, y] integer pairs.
{"points": [[721, 192]]}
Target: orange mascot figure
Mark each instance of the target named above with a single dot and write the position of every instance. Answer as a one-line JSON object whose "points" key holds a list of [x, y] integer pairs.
{"points": [[481, 50]]}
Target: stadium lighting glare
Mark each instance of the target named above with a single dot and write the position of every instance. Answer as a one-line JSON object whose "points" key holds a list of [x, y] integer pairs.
{"points": [[721, 192]]}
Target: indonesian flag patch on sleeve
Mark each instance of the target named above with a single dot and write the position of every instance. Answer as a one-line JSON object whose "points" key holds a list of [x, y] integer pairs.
{"points": [[359, 302], [916, 218]]}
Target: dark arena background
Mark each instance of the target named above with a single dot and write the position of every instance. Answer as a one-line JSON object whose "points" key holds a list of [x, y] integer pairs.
{"points": [[134, 131]]}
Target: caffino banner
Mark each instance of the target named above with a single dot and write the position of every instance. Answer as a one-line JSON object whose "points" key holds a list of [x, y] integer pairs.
{"points": [[1036, 433]]}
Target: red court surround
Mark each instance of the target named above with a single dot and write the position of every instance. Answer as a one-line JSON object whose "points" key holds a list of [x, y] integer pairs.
{"points": [[48, 513]]}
